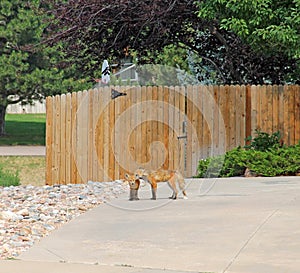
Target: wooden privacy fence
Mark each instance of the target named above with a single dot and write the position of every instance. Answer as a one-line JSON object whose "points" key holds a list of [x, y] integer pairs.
{"points": [[91, 136]]}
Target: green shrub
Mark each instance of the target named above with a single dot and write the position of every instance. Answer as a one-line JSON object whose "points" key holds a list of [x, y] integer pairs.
{"points": [[264, 141], [234, 163], [210, 167], [274, 161], [8, 178]]}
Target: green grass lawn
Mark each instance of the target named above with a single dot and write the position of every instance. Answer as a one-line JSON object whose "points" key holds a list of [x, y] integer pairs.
{"points": [[24, 129], [30, 169]]}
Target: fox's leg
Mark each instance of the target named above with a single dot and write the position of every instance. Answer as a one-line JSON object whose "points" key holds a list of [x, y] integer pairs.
{"points": [[181, 183], [172, 185], [154, 189], [133, 195], [137, 189], [184, 195], [173, 192]]}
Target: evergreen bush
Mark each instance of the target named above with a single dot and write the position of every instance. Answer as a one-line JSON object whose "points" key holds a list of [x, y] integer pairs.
{"points": [[264, 156]]}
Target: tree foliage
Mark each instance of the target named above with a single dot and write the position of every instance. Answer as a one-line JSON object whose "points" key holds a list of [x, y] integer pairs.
{"points": [[226, 35], [28, 70], [267, 25]]}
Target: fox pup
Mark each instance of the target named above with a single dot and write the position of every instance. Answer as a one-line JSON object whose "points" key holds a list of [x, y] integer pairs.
{"points": [[154, 177], [134, 185]]}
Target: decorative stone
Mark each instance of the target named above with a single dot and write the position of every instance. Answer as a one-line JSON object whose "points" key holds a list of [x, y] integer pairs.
{"points": [[23, 212], [29, 213]]}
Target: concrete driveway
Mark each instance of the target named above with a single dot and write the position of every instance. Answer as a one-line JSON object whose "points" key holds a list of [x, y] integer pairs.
{"points": [[227, 225]]}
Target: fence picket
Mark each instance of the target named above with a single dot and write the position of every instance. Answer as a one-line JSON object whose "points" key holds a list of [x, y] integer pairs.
{"points": [[297, 113], [68, 134], [73, 136], [49, 140], [62, 121]]}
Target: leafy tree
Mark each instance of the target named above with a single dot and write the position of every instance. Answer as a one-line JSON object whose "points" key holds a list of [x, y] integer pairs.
{"points": [[94, 30], [27, 69], [267, 25], [270, 27]]}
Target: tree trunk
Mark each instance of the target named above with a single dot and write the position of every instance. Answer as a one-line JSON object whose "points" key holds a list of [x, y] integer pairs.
{"points": [[2, 119]]}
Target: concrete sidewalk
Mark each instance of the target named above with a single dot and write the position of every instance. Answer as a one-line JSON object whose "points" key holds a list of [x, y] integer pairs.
{"points": [[227, 225], [22, 151]]}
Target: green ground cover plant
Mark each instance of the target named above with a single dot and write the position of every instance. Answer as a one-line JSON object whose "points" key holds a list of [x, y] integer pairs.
{"points": [[264, 156], [8, 178], [24, 129]]}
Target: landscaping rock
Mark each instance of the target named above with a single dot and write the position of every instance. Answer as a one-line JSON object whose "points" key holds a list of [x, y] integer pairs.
{"points": [[29, 213]]}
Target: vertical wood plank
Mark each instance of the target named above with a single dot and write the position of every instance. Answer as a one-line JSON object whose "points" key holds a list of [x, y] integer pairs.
{"points": [[117, 136], [62, 167], [281, 126], [178, 131], [111, 160], [172, 134], [254, 109], [95, 116], [182, 129], [248, 118], [275, 108], [74, 136], [232, 118], [226, 115], [263, 108], [223, 119], [49, 140], [154, 128], [204, 124], [144, 128], [78, 139], [129, 149], [259, 110], [286, 115], [215, 117], [90, 132], [100, 135], [269, 116], [297, 113], [194, 132], [160, 127], [68, 156], [139, 132], [167, 129], [148, 124], [82, 137], [291, 124], [106, 138], [134, 126], [57, 139], [189, 133], [240, 115]]}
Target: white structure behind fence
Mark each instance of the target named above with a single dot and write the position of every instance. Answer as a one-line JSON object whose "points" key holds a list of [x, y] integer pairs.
{"points": [[36, 108]]}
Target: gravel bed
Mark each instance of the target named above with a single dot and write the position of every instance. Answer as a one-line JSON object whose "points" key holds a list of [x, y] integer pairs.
{"points": [[29, 213]]}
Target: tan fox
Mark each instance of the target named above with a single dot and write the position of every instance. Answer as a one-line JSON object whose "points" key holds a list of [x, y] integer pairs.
{"points": [[134, 185], [154, 177]]}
